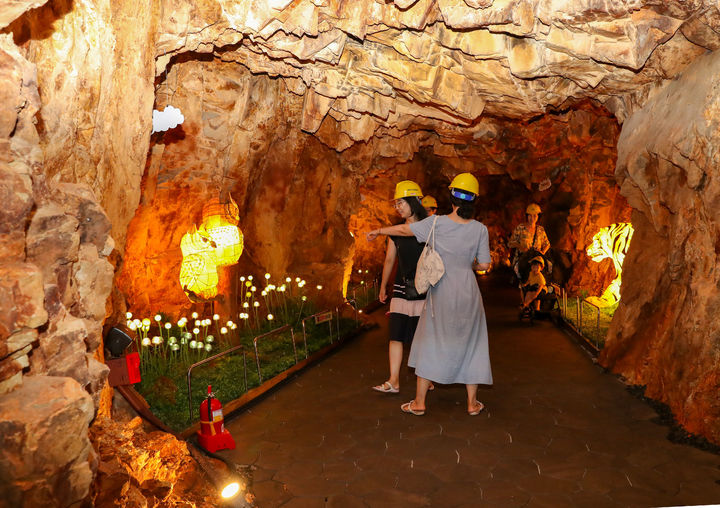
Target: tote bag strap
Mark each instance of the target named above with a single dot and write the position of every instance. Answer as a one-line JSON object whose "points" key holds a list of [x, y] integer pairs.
{"points": [[429, 297], [432, 232]]}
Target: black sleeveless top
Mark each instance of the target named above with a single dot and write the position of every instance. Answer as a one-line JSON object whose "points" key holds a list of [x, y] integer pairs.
{"points": [[408, 253]]}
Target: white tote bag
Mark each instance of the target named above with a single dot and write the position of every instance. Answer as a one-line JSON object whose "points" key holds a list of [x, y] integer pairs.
{"points": [[430, 267]]}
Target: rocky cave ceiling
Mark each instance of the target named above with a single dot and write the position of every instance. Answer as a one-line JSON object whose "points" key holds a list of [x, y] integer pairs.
{"points": [[383, 68]]}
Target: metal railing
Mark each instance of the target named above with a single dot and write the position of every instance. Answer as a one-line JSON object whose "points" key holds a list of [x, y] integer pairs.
{"points": [[365, 292], [597, 323], [208, 360], [578, 324], [319, 318], [276, 331]]}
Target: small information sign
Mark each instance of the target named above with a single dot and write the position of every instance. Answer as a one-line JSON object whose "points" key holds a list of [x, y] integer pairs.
{"points": [[323, 317]]}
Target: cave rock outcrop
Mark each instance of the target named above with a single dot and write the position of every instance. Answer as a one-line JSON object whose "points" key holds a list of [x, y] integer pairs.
{"points": [[665, 333]]}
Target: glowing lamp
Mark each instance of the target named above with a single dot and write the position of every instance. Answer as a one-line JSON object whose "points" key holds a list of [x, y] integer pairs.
{"points": [[198, 276], [229, 241], [230, 490]]}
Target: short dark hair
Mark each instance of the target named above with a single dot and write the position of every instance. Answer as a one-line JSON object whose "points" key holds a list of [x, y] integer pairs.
{"points": [[466, 209]]}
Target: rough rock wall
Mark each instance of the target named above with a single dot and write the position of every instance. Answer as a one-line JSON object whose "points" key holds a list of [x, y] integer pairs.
{"points": [[665, 332], [54, 279], [63, 106], [95, 74], [240, 136]]}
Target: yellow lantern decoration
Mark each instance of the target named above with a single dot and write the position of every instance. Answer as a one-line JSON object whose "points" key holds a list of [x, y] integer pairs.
{"points": [[220, 220], [228, 211], [228, 240], [611, 242], [217, 242], [199, 277]]}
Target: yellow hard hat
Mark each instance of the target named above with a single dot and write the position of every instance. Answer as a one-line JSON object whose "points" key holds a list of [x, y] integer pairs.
{"points": [[538, 259], [533, 208], [429, 202], [466, 182], [406, 189]]}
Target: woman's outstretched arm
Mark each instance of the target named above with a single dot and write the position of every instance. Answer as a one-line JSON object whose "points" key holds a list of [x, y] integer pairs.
{"points": [[398, 230]]}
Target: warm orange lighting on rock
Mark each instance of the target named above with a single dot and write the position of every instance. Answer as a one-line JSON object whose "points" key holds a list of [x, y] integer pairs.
{"points": [[611, 242]]}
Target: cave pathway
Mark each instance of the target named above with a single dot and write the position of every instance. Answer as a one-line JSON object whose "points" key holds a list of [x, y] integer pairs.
{"points": [[557, 431]]}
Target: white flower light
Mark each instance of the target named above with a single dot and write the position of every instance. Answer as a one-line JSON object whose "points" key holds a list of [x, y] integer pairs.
{"points": [[128, 315], [216, 317], [157, 340], [194, 315], [158, 317], [196, 330], [256, 304], [223, 330], [270, 317], [319, 287], [146, 341], [168, 326], [267, 276]]}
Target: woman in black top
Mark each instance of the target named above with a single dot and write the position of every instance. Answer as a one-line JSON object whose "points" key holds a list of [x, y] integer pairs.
{"points": [[405, 305]]}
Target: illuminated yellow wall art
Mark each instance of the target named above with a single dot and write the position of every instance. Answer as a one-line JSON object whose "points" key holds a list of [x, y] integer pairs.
{"points": [[611, 242]]}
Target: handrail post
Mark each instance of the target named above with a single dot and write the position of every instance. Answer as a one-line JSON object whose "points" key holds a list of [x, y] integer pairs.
{"points": [[207, 360], [267, 334], [577, 314]]}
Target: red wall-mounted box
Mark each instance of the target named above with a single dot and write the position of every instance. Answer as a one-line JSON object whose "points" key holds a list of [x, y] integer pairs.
{"points": [[125, 370]]}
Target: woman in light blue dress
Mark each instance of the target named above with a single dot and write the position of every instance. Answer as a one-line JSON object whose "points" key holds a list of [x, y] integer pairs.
{"points": [[451, 341]]}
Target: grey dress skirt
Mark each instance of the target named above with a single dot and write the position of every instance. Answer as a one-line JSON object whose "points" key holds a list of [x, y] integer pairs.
{"points": [[451, 340]]}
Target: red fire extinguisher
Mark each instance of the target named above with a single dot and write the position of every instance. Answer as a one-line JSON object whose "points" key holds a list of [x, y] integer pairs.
{"points": [[213, 435]]}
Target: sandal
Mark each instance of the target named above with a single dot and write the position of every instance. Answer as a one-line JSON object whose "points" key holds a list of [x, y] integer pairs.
{"points": [[407, 408], [477, 411], [386, 387]]}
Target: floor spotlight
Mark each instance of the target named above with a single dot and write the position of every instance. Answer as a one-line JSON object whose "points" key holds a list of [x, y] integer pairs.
{"points": [[230, 490]]}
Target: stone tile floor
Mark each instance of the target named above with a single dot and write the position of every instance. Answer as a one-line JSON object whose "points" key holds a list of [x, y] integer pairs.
{"points": [[557, 432]]}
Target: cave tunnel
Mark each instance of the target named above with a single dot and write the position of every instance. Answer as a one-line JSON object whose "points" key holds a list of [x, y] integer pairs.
{"points": [[130, 130]]}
